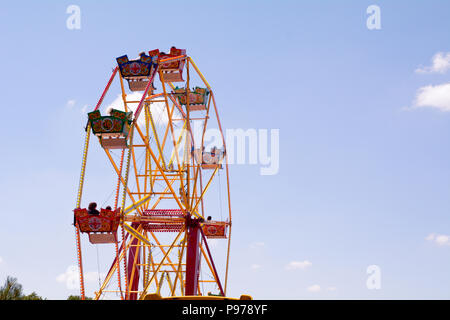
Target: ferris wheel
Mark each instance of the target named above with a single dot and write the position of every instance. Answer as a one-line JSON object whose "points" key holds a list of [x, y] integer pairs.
{"points": [[160, 223]]}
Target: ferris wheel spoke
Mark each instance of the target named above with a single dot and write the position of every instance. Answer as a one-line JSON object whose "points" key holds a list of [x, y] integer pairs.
{"points": [[111, 271], [205, 189], [118, 172]]}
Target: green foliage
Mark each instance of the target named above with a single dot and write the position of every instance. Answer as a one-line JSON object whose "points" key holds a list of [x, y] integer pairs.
{"points": [[12, 290], [77, 298], [32, 296]]}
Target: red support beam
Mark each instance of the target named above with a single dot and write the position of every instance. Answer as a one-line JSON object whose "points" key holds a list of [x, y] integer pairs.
{"points": [[212, 263], [192, 256], [132, 252], [144, 95], [106, 88]]}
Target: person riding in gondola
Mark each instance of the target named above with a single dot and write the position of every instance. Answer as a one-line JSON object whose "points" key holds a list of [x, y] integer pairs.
{"points": [[92, 209]]}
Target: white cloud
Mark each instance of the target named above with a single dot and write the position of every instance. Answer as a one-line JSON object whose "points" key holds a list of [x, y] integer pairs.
{"points": [[295, 265], [331, 289], [314, 288], [70, 103], [437, 97], [255, 266], [430, 237], [71, 278], [118, 102], [440, 64], [439, 239], [158, 109], [1, 260], [256, 245]]}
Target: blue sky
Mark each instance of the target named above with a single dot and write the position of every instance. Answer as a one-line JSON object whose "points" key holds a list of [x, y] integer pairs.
{"points": [[364, 176]]}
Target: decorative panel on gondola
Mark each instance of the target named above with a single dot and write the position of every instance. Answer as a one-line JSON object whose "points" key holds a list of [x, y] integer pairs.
{"points": [[136, 72], [112, 129], [215, 229], [172, 70], [198, 98], [105, 221]]}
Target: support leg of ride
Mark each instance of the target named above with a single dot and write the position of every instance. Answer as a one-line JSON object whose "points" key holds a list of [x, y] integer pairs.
{"points": [[192, 256]]}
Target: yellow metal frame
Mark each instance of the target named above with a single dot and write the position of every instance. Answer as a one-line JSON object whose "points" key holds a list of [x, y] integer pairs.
{"points": [[156, 183]]}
